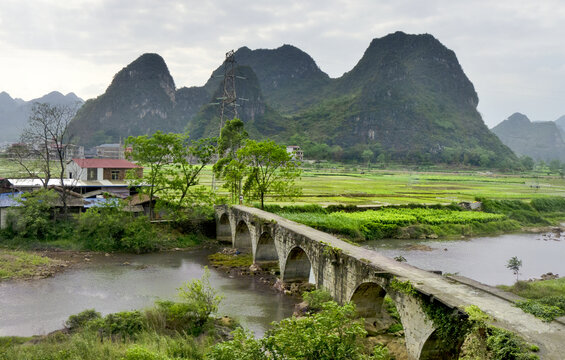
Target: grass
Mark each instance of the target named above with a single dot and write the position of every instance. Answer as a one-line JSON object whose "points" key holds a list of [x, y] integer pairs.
{"points": [[537, 289], [21, 264], [545, 299], [242, 260]]}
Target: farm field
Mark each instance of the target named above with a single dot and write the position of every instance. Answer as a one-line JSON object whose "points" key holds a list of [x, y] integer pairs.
{"points": [[392, 187], [401, 187], [397, 187]]}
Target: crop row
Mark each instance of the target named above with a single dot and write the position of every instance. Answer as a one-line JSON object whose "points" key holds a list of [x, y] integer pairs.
{"points": [[385, 223], [403, 217]]}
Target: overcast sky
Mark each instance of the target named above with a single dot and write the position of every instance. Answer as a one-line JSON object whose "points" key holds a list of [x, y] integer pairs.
{"points": [[513, 51]]}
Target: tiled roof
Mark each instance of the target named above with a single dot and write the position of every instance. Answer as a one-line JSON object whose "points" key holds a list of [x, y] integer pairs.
{"points": [[9, 200], [105, 163]]}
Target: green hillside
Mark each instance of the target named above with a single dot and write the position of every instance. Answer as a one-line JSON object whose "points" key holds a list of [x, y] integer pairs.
{"points": [[407, 99]]}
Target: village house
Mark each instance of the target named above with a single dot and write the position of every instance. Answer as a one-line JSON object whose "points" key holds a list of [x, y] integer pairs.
{"points": [[110, 151], [5, 186], [7, 205], [295, 151], [101, 169]]}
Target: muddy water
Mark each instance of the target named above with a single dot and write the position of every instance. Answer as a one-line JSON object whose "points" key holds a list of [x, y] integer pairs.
{"points": [[483, 259], [107, 285]]}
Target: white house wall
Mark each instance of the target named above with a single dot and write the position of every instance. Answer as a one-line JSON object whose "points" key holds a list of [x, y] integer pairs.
{"points": [[78, 172]]}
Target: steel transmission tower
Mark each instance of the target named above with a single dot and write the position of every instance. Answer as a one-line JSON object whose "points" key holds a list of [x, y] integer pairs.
{"points": [[228, 105]]}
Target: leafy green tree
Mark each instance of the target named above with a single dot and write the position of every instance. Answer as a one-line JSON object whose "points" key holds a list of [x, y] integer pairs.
{"points": [[169, 172], [228, 167], [186, 175], [34, 216], [270, 169], [527, 162], [367, 155], [514, 264], [554, 165]]}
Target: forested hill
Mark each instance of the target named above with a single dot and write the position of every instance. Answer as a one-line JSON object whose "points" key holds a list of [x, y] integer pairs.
{"points": [[406, 99], [538, 140]]}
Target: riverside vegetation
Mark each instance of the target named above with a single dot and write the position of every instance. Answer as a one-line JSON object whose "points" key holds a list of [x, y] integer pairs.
{"points": [[417, 220], [187, 329]]}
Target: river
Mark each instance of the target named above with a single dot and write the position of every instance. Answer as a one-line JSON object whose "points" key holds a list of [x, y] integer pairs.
{"points": [[483, 258], [107, 285]]}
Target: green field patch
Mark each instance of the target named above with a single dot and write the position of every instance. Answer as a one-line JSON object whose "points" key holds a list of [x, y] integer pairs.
{"points": [[403, 222]]}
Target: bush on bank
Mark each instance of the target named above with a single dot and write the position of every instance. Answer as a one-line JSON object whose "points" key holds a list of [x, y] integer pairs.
{"points": [[102, 228]]}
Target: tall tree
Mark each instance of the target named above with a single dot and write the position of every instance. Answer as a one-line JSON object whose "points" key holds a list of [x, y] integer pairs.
{"points": [[166, 158], [43, 143], [188, 164], [270, 170], [228, 167]]}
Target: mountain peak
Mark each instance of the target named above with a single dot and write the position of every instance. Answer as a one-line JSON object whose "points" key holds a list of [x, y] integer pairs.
{"points": [[146, 67], [519, 118], [538, 140]]}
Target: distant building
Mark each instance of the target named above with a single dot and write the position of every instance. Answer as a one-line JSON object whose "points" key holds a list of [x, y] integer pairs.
{"points": [[110, 151], [74, 152], [100, 169], [296, 152]]}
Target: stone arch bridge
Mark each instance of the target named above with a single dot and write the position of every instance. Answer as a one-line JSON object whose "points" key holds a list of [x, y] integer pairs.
{"points": [[352, 273]]}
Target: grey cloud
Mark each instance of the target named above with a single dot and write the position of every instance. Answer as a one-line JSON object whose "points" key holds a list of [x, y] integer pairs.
{"points": [[511, 50]]}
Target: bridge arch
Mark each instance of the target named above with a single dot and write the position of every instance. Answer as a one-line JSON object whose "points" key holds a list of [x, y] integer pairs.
{"points": [[266, 250], [223, 229], [369, 299], [435, 348], [298, 266], [242, 239]]}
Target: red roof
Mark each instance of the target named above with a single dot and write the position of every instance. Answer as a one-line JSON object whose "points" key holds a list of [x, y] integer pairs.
{"points": [[105, 163]]}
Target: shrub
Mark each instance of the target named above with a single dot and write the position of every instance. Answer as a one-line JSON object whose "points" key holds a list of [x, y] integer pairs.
{"points": [[200, 298], [78, 321], [316, 298], [244, 346], [109, 228], [139, 236], [137, 352], [380, 352], [333, 333], [125, 324], [527, 217], [375, 231], [544, 309], [310, 208], [34, 220], [169, 315], [503, 344], [554, 204]]}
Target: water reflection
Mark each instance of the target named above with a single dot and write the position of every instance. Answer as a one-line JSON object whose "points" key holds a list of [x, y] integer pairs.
{"points": [[483, 259], [107, 285]]}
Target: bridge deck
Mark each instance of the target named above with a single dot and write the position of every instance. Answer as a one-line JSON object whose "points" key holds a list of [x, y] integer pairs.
{"points": [[549, 336]]}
